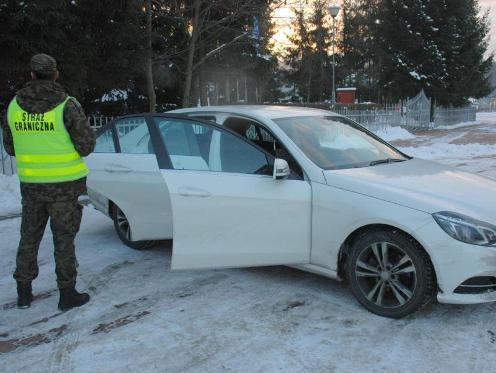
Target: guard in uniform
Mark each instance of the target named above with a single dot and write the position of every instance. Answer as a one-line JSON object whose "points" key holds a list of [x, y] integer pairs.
{"points": [[48, 133]]}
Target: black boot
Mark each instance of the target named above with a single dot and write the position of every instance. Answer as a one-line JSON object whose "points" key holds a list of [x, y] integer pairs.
{"points": [[70, 298], [24, 295]]}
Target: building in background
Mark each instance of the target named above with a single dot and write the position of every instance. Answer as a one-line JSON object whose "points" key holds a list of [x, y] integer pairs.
{"points": [[346, 95]]}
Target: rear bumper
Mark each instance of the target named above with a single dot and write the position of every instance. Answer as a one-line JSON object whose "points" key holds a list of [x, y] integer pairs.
{"points": [[456, 262], [99, 201]]}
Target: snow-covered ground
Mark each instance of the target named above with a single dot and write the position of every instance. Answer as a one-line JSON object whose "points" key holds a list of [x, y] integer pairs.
{"points": [[143, 317], [469, 146], [10, 196], [394, 133]]}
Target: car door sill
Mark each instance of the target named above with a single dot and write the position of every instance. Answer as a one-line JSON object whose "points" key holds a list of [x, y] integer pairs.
{"points": [[318, 270]]}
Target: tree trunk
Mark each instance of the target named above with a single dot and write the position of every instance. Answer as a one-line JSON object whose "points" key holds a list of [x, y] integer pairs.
{"points": [[228, 91], [203, 88], [246, 92], [191, 55], [150, 85]]}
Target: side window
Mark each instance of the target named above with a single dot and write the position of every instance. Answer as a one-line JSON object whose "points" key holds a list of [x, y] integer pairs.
{"points": [[257, 134], [105, 142], [133, 135], [198, 146]]}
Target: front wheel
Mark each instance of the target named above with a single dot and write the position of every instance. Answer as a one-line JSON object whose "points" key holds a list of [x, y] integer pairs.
{"points": [[390, 274], [123, 230]]}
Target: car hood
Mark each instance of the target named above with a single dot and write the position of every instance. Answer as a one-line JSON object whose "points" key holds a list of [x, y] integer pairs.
{"points": [[422, 185]]}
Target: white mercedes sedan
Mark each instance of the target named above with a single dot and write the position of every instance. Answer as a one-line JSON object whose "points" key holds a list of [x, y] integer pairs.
{"points": [[241, 186]]}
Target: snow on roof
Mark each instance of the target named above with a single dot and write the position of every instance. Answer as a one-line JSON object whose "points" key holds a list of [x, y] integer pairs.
{"points": [[267, 111]]}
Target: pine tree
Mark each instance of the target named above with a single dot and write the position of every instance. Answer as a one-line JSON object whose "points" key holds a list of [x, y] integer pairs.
{"points": [[29, 27], [298, 58], [110, 54], [435, 46], [96, 43], [359, 47], [320, 38], [308, 57], [467, 65]]}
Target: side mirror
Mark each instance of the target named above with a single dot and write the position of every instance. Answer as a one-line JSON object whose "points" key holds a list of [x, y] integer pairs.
{"points": [[281, 169]]}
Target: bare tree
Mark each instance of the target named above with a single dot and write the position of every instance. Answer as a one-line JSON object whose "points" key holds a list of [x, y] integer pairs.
{"points": [[208, 29], [152, 97], [191, 53]]}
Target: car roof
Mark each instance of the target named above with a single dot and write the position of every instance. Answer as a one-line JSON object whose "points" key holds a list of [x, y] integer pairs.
{"points": [[267, 111]]}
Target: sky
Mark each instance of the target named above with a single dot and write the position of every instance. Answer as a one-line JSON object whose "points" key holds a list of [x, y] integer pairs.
{"points": [[283, 18], [491, 5]]}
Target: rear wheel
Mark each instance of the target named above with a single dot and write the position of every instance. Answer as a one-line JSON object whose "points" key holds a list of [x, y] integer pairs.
{"points": [[123, 230], [390, 274]]}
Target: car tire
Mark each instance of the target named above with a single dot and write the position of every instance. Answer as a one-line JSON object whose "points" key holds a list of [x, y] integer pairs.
{"points": [[390, 274], [123, 230]]}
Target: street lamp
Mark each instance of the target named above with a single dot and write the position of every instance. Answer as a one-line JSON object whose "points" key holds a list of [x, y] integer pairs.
{"points": [[334, 9]]}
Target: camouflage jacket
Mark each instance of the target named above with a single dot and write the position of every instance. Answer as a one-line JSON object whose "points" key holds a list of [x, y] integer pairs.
{"points": [[40, 96]]}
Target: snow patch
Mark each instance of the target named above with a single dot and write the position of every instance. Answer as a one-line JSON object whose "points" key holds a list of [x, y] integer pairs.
{"points": [[394, 133], [439, 151], [10, 195], [115, 95], [489, 117], [458, 125]]}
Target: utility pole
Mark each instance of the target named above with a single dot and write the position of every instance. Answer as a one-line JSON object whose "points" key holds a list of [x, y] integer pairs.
{"points": [[334, 9]]}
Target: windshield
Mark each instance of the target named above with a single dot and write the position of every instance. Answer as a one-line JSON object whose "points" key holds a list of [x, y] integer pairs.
{"points": [[337, 143]]}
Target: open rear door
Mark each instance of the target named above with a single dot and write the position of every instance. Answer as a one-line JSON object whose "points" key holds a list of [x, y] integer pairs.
{"points": [[227, 212]]}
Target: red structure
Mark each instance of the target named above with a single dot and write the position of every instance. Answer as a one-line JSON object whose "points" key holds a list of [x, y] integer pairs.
{"points": [[346, 95]]}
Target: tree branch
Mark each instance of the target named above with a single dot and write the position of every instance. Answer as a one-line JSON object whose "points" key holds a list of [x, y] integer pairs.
{"points": [[218, 49]]}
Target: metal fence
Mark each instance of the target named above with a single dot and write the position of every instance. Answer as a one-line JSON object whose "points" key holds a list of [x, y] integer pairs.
{"points": [[374, 119], [413, 114], [7, 163], [96, 121], [448, 117]]}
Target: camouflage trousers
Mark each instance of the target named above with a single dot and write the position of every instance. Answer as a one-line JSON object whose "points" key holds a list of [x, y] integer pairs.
{"points": [[65, 219]]}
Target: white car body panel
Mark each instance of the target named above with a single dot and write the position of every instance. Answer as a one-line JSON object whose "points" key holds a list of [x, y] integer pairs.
{"points": [[134, 183], [238, 220], [422, 185], [337, 213]]}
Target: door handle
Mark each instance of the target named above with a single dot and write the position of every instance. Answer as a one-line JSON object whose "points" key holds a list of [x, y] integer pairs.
{"points": [[117, 169], [193, 192]]}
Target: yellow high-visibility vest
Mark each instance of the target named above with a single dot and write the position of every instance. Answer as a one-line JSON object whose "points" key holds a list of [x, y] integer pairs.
{"points": [[43, 148]]}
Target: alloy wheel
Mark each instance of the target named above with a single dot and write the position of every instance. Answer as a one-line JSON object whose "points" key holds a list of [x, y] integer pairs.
{"points": [[123, 224], [386, 275]]}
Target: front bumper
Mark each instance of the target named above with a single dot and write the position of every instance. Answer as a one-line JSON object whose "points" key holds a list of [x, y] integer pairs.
{"points": [[455, 262]]}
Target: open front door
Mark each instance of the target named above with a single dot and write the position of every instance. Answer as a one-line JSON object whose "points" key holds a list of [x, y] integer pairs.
{"points": [[227, 210]]}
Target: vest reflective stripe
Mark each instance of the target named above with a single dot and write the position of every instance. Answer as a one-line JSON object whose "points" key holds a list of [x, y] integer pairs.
{"points": [[43, 147], [51, 172], [48, 158]]}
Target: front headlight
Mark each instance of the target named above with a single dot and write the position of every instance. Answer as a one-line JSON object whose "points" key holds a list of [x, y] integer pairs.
{"points": [[466, 229]]}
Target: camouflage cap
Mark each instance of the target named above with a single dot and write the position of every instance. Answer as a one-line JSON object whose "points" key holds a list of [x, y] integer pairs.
{"points": [[43, 63]]}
